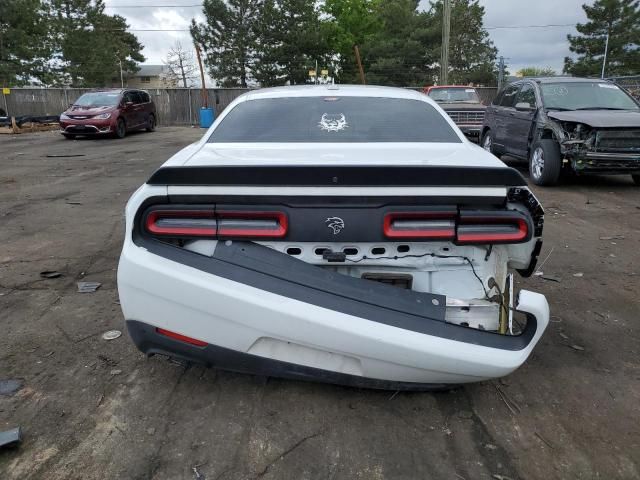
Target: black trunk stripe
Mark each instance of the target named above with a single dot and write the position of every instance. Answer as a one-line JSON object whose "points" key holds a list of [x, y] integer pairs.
{"points": [[343, 176]]}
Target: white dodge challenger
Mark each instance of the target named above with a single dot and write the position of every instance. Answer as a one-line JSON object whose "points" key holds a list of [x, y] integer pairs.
{"points": [[344, 234]]}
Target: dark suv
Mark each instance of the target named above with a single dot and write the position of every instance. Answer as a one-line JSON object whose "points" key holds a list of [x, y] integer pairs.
{"points": [[109, 112], [564, 123]]}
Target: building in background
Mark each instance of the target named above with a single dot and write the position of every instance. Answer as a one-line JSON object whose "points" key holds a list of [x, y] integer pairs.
{"points": [[150, 76]]}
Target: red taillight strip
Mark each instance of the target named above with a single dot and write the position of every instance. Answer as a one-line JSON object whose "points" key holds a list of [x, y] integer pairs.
{"points": [[156, 215], [278, 232], [456, 232], [182, 338], [489, 237], [447, 233]]}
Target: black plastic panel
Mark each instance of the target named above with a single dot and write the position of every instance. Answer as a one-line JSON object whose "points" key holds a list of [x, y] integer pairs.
{"points": [[150, 342], [332, 176]]}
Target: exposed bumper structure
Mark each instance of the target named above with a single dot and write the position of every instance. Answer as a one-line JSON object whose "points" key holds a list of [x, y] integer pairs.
{"points": [[604, 162], [260, 311]]}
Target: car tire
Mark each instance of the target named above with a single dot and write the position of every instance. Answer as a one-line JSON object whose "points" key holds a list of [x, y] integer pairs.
{"points": [[636, 178], [69, 136], [151, 124], [121, 128], [487, 143], [545, 162]]}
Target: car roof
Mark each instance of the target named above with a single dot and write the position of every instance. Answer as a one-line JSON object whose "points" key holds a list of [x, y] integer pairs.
{"points": [[433, 87], [562, 79], [334, 91]]}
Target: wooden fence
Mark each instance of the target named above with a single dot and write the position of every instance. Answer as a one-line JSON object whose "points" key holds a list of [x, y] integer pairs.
{"points": [[174, 106]]}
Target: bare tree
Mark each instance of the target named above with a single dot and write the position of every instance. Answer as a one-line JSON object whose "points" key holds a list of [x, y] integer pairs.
{"points": [[181, 66]]}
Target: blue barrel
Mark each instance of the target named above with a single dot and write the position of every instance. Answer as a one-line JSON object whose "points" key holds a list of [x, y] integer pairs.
{"points": [[206, 117]]}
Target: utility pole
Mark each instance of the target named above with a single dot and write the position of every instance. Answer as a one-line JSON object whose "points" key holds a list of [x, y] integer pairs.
{"points": [[446, 30], [362, 79], [500, 72], [205, 102], [121, 76], [606, 50]]}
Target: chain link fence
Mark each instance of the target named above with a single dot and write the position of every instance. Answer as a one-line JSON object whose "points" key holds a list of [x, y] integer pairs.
{"points": [[630, 83]]}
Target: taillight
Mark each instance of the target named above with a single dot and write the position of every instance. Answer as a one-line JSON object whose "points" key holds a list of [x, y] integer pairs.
{"points": [[498, 227], [224, 224], [465, 227], [192, 223], [423, 225], [251, 224]]}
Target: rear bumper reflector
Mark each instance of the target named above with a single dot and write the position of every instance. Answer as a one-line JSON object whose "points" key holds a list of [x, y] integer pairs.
{"points": [[181, 338]]}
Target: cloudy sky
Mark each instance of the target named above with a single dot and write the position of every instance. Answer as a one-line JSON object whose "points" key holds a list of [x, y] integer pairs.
{"points": [[522, 46]]}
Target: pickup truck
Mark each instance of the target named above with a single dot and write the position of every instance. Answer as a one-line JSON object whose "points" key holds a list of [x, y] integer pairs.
{"points": [[463, 105]]}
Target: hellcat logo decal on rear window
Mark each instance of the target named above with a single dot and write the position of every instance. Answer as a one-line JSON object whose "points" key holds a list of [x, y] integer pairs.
{"points": [[333, 122]]}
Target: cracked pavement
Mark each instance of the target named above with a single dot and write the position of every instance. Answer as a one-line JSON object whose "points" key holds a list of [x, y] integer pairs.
{"points": [[96, 409]]}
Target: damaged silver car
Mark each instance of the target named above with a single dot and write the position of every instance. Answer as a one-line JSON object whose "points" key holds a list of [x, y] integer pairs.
{"points": [[565, 124]]}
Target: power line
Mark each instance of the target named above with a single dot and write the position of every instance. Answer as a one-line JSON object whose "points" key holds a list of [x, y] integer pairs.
{"points": [[531, 26], [155, 6], [187, 30]]}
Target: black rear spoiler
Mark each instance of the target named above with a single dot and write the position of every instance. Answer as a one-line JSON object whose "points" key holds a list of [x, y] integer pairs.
{"points": [[343, 176]]}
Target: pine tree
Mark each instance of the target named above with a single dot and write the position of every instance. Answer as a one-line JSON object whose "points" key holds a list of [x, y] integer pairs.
{"points": [[25, 46], [91, 45], [289, 40], [228, 39], [620, 20], [397, 53]]}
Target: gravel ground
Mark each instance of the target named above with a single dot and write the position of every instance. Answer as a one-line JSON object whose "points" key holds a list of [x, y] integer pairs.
{"points": [[96, 409]]}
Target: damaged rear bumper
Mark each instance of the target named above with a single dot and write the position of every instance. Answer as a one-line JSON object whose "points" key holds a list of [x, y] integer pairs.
{"points": [[260, 311]]}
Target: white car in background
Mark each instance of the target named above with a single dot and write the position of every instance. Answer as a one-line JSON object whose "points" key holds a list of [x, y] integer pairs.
{"points": [[344, 234]]}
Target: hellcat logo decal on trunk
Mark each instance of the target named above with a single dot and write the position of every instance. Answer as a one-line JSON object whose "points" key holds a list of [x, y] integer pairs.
{"points": [[335, 223]]}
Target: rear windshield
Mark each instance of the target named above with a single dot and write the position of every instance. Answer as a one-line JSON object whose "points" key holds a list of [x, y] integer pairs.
{"points": [[454, 95], [333, 119]]}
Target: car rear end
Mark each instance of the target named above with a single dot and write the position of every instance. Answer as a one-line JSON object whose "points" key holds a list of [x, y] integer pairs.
{"points": [[383, 264]]}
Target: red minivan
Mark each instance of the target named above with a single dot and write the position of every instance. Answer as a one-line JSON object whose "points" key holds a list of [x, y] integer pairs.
{"points": [[109, 112]]}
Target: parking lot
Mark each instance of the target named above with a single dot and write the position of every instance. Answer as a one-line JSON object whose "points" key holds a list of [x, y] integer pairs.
{"points": [[97, 409]]}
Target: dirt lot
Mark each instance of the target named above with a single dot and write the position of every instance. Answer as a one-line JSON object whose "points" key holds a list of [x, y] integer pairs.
{"points": [[96, 409]]}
